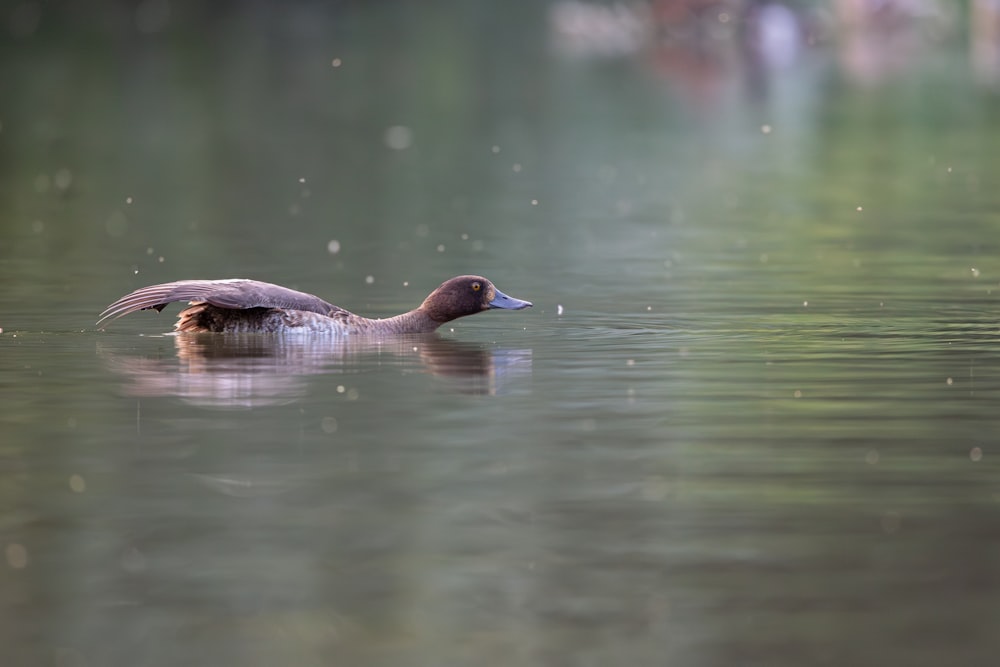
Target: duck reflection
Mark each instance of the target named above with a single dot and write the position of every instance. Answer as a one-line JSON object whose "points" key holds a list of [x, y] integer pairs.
{"points": [[253, 370]]}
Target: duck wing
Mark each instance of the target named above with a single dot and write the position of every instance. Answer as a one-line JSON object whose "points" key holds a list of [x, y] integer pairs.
{"points": [[237, 294]]}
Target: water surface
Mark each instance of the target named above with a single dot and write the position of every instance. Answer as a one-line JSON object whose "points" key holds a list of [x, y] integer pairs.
{"points": [[750, 420]]}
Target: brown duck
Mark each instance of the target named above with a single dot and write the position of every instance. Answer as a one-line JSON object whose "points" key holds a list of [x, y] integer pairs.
{"points": [[248, 306]]}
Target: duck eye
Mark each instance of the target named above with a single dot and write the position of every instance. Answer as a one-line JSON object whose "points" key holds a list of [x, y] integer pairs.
{"points": [[476, 287]]}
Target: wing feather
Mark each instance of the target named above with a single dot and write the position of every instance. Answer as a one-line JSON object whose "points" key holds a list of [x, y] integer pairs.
{"points": [[237, 294]]}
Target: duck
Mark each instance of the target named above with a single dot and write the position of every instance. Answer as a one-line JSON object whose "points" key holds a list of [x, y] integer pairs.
{"points": [[239, 305]]}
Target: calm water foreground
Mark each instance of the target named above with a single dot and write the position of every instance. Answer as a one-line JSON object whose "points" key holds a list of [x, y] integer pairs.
{"points": [[751, 420]]}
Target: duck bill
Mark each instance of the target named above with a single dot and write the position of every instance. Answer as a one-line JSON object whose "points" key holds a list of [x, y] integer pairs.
{"points": [[501, 300]]}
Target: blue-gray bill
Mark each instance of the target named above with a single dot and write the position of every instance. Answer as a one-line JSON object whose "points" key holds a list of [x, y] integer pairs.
{"points": [[501, 300]]}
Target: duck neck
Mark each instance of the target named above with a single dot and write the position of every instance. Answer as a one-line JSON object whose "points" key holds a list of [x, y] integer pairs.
{"points": [[415, 321]]}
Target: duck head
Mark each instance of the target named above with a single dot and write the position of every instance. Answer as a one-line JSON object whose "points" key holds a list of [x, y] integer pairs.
{"points": [[467, 295]]}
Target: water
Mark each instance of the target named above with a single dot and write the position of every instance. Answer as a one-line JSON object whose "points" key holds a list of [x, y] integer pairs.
{"points": [[750, 420]]}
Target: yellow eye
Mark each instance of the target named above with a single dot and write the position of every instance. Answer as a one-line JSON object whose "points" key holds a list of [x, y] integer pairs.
{"points": [[476, 287]]}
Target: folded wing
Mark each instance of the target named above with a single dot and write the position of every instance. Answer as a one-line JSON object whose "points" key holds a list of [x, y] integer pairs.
{"points": [[236, 294]]}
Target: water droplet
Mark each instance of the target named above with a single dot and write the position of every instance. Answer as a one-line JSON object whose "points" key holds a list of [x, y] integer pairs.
{"points": [[398, 137], [77, 484], [63, 179]]}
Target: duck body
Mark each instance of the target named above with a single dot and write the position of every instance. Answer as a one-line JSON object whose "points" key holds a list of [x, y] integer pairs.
{"points": [[251, 306]]}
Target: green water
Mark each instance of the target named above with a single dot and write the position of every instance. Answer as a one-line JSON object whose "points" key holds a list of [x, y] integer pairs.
{"points": [[750, 420]]}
